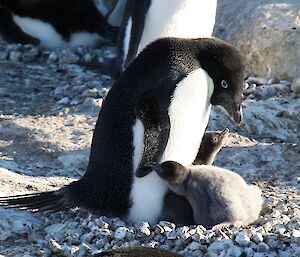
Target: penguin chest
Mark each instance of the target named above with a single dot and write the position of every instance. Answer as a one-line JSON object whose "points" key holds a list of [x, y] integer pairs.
{"points": [[147, 193], [188, 113], [178, 18], [48, 35]]}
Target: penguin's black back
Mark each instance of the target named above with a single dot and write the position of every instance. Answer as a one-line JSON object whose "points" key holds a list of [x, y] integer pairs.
{"points": [[67, 16]]}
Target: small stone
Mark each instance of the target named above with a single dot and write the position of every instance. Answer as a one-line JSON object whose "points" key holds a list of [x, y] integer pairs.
{"points": [[194, 246], [74, 249], [120, 233], [249, 252], [53, 57], [15, 56], [87, 237], [105, 232], [64, 101], [54, 246], [158, 229], [30, 55], [242, 239], [171, 235], [257, 237], [262, 247], [143, 229], [67, 56], [256, 80], [87, 57], [233, 251], [280, 229], [295, 87], [93, 93]]}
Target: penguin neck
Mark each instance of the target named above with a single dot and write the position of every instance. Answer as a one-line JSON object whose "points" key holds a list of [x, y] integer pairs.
{"points": [[189, 113]]}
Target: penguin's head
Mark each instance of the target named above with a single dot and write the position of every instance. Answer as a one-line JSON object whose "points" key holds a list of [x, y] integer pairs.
{"points": [[172, 172], [216, 138], [225, 66]]}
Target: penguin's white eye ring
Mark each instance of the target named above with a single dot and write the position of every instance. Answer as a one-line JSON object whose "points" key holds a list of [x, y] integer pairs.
{"points": [[224, 84]]}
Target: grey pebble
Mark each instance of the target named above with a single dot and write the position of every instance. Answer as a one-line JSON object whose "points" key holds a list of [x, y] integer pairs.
{"points": [[242, 239]]}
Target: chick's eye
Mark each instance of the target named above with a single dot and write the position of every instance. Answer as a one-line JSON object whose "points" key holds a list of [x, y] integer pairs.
{"points": [[224, 84], [215, 139]]}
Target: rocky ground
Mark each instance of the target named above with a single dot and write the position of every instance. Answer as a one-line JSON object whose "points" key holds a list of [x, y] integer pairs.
{"points": [[48, 109]]}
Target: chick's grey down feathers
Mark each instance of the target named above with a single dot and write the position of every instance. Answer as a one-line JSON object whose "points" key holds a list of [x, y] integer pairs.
{"points": [[217, 195]]}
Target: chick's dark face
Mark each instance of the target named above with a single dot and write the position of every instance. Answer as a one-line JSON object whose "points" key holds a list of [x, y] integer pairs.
{"points": [[229, 84]]}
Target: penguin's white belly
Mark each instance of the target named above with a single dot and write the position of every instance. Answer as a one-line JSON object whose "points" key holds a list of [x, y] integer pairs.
{"points": [[178, 18], [188, 112], [49, 37], [147, 193]]}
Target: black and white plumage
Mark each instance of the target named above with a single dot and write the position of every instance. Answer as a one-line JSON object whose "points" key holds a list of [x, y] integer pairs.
{"points": [[218, 196], [189, 73], [148, 20], [55, 23]]}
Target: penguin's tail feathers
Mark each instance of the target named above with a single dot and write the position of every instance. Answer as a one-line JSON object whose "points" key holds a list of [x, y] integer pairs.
{"points": [[36, 202]]}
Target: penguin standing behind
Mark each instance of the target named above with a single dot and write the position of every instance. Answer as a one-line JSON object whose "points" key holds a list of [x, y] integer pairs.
{"points": [[54, 23], [217, 196], [191, 74], [148, 20]]}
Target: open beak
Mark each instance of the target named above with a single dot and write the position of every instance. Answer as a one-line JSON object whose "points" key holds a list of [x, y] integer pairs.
{"points": [[225, 132], [232, 107]]}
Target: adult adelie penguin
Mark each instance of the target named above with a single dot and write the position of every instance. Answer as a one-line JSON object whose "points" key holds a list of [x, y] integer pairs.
{"points": [[191, 74], [148, 20], [54, 23]]}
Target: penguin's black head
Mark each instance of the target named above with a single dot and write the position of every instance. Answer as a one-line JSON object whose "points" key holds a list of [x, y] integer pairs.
{"points": [[225, 66], [172, 172]]}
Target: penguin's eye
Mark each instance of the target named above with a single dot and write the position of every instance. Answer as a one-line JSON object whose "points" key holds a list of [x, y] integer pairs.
{"points": [[224, 84]]}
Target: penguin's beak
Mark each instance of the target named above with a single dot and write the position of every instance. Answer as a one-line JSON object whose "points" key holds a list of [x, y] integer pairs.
{"points": [[234, 108]]}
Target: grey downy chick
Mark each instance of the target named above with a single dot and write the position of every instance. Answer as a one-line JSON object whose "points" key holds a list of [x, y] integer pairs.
{"points": [[218, 196], [176, 208], [211, 144]]}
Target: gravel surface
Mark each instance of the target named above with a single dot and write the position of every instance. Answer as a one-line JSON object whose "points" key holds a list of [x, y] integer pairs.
{"points": [[48, 109]]}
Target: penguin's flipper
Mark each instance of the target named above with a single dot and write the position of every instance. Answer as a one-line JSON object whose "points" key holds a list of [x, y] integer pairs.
{"points": [[135, 11], [35, 202], [151, 109], [11, 32]]}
